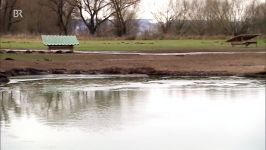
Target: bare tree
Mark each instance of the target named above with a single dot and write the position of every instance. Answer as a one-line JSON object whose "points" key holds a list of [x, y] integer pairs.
{"points": [[196, 17], [232, 16], [260, 18], [181, 10], [99, 11], [7, 20], [256, 17], [132, 24], [102, 17], [165, 17], [37, 18], [1, 16], [63, 10], [123, 13], [237, 17]]}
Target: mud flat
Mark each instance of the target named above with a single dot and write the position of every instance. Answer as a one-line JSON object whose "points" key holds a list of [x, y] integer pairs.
{"points": [[205, 64]]}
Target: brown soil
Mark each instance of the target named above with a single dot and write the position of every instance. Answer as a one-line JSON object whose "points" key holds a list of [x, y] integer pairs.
{"points": [[192, 65], [187, 50]]}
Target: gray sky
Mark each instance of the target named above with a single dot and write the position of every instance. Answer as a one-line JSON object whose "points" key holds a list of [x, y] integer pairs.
{"points": [[148, 6]]}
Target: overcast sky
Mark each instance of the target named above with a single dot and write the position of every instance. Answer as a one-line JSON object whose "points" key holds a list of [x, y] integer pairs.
{"points": [[148, 6]]}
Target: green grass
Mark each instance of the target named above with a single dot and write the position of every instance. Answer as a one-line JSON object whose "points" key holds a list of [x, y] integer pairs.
{"points": [[15, 43], [120, 45], [148, 44]]}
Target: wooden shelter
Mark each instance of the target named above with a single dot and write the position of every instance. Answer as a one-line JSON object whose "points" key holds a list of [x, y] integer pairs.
{"points": [[244, 39], [59, 42]]}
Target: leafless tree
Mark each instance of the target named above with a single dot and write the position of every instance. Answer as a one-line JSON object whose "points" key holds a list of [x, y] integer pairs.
{"points": [[99, 11], [196, 17], [181, 10], [63, 10], [7, 19], [256, 17], [165, 17], [237, 17], [102, 17], [37, 18], [232, 15], [123, 13], [260, 18]]}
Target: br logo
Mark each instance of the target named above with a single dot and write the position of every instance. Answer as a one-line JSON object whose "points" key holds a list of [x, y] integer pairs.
{"points": [[17, 13]]}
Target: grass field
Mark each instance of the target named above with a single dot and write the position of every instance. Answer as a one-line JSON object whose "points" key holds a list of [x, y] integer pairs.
{"points": [[120, 45]]}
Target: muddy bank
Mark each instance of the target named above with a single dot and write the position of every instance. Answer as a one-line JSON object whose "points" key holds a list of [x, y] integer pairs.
{"points": [[114, 70], [218, 64], [255, 75], [3, 79], [124, 71], [4, 76]]}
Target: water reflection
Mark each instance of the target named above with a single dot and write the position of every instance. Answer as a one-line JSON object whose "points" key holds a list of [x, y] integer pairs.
{"points": [[92, 109], [224, 112]]}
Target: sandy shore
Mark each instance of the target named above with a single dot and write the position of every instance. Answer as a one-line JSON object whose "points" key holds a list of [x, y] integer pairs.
{"points": [[219, 64]]}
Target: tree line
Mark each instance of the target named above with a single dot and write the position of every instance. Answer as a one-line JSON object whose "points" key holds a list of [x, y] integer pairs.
{"points": [[212, 17], [119, 17]]}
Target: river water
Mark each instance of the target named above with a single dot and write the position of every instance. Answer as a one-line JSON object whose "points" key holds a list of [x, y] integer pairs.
{"points": [[78, 112]]}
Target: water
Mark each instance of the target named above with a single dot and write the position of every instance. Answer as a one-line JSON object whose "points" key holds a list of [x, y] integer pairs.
{"points": [[132, 113]]}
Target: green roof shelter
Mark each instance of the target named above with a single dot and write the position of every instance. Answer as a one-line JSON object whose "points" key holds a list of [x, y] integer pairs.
{"points": [[56, 42]]}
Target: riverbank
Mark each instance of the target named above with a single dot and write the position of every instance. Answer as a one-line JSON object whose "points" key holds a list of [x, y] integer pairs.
{"points": [[3, 79], [249, 64]]}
